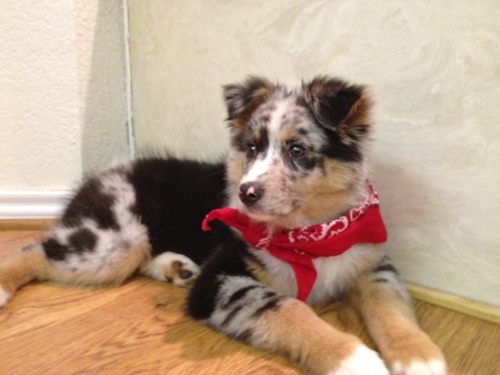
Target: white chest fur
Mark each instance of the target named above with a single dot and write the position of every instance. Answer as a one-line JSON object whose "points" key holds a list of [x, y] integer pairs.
{"points": [[334, 274]]}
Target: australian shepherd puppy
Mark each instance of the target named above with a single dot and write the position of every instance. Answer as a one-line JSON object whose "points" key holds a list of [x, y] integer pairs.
{"points": [[290, 220]]}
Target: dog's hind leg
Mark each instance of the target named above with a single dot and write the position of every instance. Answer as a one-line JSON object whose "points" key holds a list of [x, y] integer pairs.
{"points": [[387, 310], [20, 268], [83, 255]]}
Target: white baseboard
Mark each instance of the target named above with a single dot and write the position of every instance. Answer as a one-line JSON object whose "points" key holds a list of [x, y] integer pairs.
{"points": [[463, 305], [32, 204]]}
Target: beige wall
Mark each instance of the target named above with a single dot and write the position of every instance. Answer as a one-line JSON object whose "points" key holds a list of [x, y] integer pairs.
{"points": [[434, 69], [62, 92]]}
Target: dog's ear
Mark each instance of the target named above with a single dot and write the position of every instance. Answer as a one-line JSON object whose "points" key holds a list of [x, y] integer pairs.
{"points": [[243, 98], [340, 107]]}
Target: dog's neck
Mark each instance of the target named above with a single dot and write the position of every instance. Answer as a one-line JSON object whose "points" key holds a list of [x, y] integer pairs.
{"points": [[299, 246]]}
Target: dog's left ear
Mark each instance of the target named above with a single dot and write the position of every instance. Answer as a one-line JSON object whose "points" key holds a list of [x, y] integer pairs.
{"points": [[340, 107]]}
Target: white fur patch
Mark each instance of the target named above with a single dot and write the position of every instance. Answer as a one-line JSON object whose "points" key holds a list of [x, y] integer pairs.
{"points": [[262, 165], [333, 273], [4, 297], [432, 367], [282, 107], [364, 361]]}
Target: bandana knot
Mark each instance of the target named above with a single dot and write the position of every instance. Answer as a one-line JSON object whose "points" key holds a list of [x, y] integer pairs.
{"points": [[299, 246]]}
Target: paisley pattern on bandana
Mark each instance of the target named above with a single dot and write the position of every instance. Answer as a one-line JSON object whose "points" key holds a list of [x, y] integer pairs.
{"points": [[327, 230]]}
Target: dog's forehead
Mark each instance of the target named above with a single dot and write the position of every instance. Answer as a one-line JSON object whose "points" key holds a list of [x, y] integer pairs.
{"points": [[284, 110]]}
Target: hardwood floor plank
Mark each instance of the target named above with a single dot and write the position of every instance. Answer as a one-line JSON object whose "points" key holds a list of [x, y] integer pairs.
{"points": [[26, 224], [140, 328], [471, 345]]}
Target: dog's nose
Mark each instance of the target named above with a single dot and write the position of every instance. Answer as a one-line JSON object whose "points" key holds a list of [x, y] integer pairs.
{"points": [[251, 192]]}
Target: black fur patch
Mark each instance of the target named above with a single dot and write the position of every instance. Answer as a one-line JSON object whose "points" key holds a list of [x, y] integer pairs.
{"points": [[241, 293], [231, 315], [336, 149], [262, 140], [54, 250], [271, 304], [172, 198], [245, 336], [238, 96], [227, 261], [91, 202], [331, 100], [385, 267], [82, 240], [243, 139]]}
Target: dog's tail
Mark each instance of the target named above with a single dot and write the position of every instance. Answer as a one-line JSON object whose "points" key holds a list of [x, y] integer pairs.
{"points": [[21, 267]]}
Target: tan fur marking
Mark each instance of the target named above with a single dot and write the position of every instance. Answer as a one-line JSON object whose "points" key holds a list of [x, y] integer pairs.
{"points": [[22, 267], [332, 194], [357, 121], [259, 96], [235, 170], [392, 325], [295, 330], [259, 271], [288, 134]]}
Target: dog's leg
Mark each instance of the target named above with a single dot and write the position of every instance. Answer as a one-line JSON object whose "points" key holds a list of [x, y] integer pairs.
{"points": [[20, 268], [246, 309], [386, 308]]}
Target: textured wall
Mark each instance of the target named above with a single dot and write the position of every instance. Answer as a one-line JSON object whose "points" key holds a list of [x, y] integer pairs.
{"points": [[39, 114], [62, 91], [434, 69], [102, 88]]}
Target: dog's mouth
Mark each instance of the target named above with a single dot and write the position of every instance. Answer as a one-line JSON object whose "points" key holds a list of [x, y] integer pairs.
{"points": [[266, 214], [257, 201], [261, 217], [277, 221]]}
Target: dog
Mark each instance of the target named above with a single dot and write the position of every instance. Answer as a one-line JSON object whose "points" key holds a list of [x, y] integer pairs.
{"points": [[289, 220]]}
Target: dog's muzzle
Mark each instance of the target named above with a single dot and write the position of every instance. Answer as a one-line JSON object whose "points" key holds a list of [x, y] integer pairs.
{"points": [[251, 193]]}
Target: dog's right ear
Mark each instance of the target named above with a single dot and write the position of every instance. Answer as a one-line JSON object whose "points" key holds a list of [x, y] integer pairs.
{"points": [[244, 97]]}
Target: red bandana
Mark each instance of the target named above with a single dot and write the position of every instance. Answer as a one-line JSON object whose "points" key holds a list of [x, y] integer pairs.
{"points": [[300, 246]]}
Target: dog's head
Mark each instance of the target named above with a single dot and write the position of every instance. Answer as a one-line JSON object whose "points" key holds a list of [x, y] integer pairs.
{"points": [[297, 152]]}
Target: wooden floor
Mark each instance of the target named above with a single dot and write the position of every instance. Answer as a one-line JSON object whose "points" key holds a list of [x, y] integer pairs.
{"points": [[140, 328]]}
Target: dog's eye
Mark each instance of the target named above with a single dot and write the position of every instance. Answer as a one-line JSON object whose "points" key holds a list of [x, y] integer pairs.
{"points": [[297, 151], [251, 150]]}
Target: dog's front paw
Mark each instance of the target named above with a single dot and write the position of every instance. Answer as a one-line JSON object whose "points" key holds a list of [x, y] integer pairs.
{"points": [[416, 367], [362, 362], [416, 354], [173, 267], [4, 297]]}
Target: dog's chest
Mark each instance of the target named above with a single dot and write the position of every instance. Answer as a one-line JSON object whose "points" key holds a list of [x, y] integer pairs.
{"points": [[335, 274]]}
